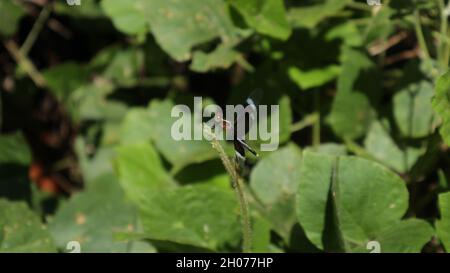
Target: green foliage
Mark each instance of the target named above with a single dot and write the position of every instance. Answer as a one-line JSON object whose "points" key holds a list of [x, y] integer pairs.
{"points": [[92, 217], [202, 216]]}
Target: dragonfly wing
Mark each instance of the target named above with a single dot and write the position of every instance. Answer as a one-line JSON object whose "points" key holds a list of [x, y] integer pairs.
{"points": [[244, 146], [250, 111]]}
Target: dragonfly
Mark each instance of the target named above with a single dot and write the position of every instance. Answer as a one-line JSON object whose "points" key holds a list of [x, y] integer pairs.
{"points": [[250, 111]]}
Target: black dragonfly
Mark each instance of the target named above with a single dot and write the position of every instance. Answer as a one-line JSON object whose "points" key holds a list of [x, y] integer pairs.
{"points": [[240, 122]]}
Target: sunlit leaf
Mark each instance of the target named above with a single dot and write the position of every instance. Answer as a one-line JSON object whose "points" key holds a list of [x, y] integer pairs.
{"points": [[371, 201], [22, 230], [140, 171], [201, 215], [274, 181], [443, 225], [91, 218], [315, 77], [311, 15], [266, 17]]}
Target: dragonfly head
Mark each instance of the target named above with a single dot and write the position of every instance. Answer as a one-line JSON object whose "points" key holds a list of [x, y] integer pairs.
{"points": [[225, 124]]}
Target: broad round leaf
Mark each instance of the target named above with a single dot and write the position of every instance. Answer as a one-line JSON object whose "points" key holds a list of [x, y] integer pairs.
{"points": [[274, 181], [353, 201]]}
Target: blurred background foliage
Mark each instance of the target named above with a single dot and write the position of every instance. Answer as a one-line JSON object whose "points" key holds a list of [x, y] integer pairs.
{"points": [[86, 153]]}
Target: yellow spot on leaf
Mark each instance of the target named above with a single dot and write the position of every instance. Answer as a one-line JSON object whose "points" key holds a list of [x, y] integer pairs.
{"points": [[80, 219]]}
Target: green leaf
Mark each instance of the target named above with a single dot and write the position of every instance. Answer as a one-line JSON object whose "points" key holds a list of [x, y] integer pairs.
{"points": [[314, 77], [10, 14], [310, 16], [328, 149], [266, 17], [380, 26], [443, 225], [312, 195], [140, 171], [407, 236], [274, 181], [260, 235], [124, 67], [352, 112], [88, 102], [180, 25], [126, 15], [201, 215], [96, 166], [441, 104], [155, 124], [413, 111], [63, 79], [15, 158], [380, 145], [21, 229], [14, 149], [92, 217], [348, 32], [370, 201], [222, 57], [137, 126]]}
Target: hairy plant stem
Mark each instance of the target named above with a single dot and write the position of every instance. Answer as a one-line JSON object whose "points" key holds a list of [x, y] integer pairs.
{"points": [[231, 168], [420, 35]]}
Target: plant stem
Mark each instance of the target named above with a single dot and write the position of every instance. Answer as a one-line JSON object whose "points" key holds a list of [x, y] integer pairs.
{"points": [[359, 6], [232, 171], [37, 28], [26, 64], [420, 36], [359, 150], [316, 125], [305, 122], [444, 46]]}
